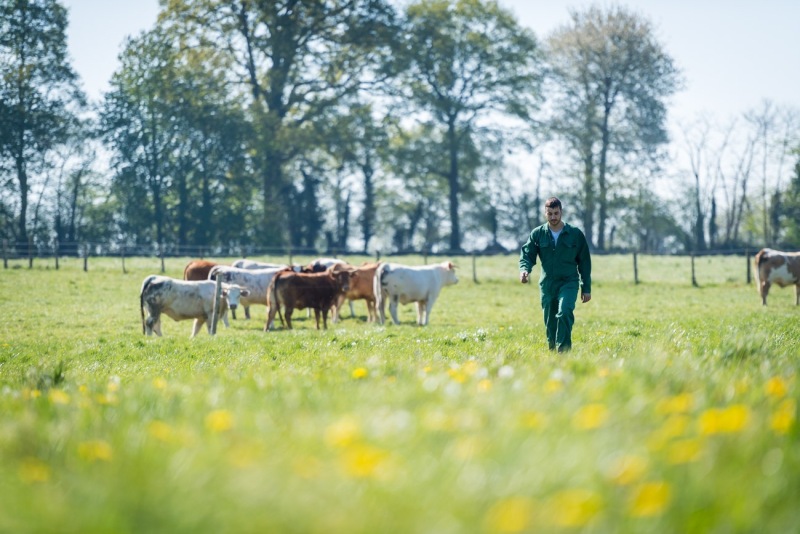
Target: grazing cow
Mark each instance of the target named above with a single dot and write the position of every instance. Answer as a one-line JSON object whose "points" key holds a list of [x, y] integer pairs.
{"points": [[776, 267], [361, 287], [181, 299], [197, 270], [317, 291], [256, 281], [404, 284]]}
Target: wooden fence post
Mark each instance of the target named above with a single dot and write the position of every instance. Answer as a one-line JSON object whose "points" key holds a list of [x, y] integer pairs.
{"points": [[122, 256], [474, 271], [55, 252], [85, 258], [30, 253], [377, 256], [635, 269], [747, 260], [5, 253], [694, 279], [217, 305], [161, 255]]}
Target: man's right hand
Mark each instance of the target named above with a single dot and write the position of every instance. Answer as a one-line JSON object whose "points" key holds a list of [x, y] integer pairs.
{"points": [[523, 277]]}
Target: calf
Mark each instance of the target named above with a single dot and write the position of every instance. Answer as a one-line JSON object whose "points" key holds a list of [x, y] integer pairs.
{"points": [[180, 300], [403, 284], [197, 270], [317, 291], [776, 267], [361, 287]]}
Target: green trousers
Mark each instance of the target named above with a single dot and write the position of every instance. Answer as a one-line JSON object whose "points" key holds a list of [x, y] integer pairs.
{"points": [[558, 305]]}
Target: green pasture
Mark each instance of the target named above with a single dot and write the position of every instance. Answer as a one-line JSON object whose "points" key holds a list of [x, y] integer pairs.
{"points": [[675, 411]]}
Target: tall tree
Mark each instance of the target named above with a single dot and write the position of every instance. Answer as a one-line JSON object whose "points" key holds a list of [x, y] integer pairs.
{"points": [[460, 62], [297, 59], [611, 78], [39, 96]]}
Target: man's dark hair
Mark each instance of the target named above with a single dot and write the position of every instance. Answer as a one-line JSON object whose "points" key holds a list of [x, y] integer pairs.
{"points": [[553, 202]]}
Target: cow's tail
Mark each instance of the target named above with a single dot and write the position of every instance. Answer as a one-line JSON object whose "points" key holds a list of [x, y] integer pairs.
{"points": [[760, 258], [145, 285], [377, 284], [272, 295]]}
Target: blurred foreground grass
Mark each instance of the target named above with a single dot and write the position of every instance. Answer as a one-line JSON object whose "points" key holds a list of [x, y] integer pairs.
{"points": [[675, 412]]}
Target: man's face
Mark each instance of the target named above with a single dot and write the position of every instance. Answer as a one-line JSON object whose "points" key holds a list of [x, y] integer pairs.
{"points": [[553, 216]]}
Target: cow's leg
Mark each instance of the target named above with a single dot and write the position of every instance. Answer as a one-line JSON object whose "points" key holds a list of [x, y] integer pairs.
{"points": [[393, 309], [352, 310], [233, 314], [270, 324], [288, 313], [428, 308], [247, 312], [336, 307], [196, 326], [316, 316], [224, 317], [764, 292], [381, 309], [324, 319], [797, 295], [149, 324], [372, 315], [422, 313]]}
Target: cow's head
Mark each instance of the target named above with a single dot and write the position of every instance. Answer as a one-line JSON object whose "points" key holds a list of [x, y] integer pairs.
{"points": [[450, 277], [232, 293], [342, 278]]}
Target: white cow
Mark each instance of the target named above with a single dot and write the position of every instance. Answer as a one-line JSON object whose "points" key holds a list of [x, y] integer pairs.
{"points": [[253, 264], [182, 299], [404, 284], [256, 281]]}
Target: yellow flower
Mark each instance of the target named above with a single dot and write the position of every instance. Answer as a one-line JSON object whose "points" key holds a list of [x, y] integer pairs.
{"points": [[33, 470], [533, 420], [95, 450], [650, 499], [159, 383], [58, 396], [590, 417], [553, 386], [783, 418], [219, 421], [776, 387], [684, 451], [628, 469], [513, 514], [359, 373], [161, 431], [574, 507], [343, 432], [470, 367], [678, 404], [363, 461], [674, 426], [457, 375], [728, 420], [485, 385]]}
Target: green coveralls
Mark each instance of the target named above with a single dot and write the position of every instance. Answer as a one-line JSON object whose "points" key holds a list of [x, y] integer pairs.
{"points": [[565, 266]]}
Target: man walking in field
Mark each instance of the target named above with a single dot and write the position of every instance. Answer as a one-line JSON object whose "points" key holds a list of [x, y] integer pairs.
{"points": [[566, 265]]}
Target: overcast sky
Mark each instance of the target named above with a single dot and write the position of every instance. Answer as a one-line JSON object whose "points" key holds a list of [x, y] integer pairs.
{"points": [[733, 53]]}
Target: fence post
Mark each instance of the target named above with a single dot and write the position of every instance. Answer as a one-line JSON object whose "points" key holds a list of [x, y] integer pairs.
{"points": [[635, 268], [474, 271], [85, 258], [5, 253], [747, 259], [122, 256], [694, 279], [217, 306], [30, 253], [161, 255], [55, 251], [377, 255]]}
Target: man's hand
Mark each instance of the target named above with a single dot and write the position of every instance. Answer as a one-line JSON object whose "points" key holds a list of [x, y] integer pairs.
{"points": [[523, 277], [586, 297]]}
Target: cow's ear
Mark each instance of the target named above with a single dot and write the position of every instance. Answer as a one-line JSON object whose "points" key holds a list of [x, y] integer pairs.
{"points": [[244, 292], [224, 292], [450, 265]]}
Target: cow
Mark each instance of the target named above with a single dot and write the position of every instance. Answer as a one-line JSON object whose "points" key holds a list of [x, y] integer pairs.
{"points": [[182, 299], [256, 281], [361, 287], [776, 267], [322, 264], [317, 291], [404, 284], [197, 269], [253, 264]]}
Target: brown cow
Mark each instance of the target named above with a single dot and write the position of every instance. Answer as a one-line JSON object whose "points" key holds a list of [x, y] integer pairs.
{"points": [[197, 269], [776, 267], [318, 291], [361, 287]]}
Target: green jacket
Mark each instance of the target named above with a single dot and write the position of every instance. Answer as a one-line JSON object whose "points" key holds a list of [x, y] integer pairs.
{"points": [[568, 260]]}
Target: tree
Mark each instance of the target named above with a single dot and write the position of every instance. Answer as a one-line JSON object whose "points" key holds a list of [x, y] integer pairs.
{"points": [[39, 97], [461, 62], [610, 78]]}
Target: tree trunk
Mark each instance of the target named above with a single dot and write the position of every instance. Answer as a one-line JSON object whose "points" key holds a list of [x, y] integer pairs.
{"points": [[22, 228], [454, 185]]}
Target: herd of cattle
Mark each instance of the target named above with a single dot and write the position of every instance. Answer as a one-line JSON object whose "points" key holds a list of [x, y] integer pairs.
{"points": [[323, 285]]}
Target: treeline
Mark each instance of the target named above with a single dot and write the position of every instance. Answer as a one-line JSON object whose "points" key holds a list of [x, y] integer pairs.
{"points": [[359, 125]]}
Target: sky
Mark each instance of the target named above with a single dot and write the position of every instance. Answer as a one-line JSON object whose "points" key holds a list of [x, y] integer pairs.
{"points": [[734, 54]]}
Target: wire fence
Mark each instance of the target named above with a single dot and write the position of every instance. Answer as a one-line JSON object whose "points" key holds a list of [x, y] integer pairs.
{"points": [[712, 265]]}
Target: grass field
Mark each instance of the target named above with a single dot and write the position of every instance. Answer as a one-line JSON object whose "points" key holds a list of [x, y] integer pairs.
{"points": [[675, 411]]}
